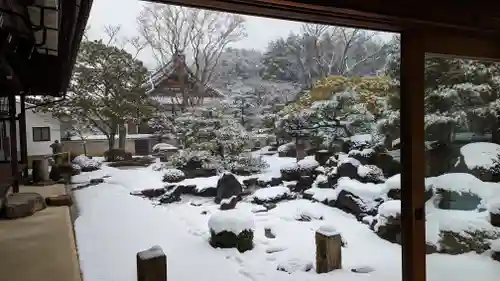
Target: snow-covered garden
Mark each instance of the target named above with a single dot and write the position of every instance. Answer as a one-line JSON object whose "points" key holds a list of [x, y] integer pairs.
{"points": [[279, 209]]}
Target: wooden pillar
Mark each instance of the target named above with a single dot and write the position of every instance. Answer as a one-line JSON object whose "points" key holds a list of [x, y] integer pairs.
{"points": [[22, 135], [328, 250], [152, 265], [412, 155], [13, 143]]}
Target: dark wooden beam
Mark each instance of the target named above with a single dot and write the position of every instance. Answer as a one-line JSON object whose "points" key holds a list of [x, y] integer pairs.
{"points": [[413, 155], [387, 15], [23, 140], [462, 44], [13, 143]]}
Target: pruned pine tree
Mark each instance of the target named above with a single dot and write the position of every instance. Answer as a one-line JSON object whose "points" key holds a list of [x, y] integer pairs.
{"points": [[106, 89]]}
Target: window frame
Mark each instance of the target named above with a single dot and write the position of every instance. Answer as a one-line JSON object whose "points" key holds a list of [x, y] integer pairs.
{"points": [[39, 137]]}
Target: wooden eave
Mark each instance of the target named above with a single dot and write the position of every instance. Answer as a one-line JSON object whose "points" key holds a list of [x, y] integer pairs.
{"points": [[49, 75], [443, 23]]}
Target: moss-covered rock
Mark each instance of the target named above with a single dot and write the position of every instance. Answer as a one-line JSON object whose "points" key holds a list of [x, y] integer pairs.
{"points": [[455, 243], [226, 239]]}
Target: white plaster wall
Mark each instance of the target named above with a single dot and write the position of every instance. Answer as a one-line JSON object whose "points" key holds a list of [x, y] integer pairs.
{"points": [[37, 119]]}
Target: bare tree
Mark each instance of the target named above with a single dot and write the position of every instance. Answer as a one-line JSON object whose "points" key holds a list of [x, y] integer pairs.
{"points": [[338, 50], [201, 35]]}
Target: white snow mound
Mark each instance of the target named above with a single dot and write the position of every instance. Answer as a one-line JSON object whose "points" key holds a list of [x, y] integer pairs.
{"points": [[480, 154], [234, 221]]}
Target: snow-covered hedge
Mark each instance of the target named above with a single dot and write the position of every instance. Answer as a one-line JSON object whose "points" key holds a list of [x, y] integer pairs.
{"points": [[308, 164], [179, 160], [246, 164]]}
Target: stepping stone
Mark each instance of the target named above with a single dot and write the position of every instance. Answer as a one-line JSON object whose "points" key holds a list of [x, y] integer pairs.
{"points": [[362, 269], [19, 205], [59, 200]]}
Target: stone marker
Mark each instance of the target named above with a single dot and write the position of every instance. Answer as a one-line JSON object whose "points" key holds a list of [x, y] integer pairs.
{"points": [[328, 249], [152, 265]]}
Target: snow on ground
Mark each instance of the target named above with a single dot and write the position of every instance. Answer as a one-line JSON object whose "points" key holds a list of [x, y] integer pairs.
{"points": [[113, 226], [480, 154]]}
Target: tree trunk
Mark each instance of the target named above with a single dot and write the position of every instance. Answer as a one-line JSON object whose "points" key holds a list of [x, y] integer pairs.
{"points": [[495, 133], [122, 136], [111, 141]]}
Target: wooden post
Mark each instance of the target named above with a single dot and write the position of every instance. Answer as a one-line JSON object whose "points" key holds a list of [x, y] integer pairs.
{"points": [[152, 265], [14, 162], [328, 250], [22, 135], [413, 155]]}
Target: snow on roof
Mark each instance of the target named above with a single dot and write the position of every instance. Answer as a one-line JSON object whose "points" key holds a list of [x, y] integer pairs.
{"points": [[104, 137]]}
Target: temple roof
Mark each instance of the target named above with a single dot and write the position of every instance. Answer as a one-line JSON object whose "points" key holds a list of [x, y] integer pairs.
{"points": [[169, 80]]}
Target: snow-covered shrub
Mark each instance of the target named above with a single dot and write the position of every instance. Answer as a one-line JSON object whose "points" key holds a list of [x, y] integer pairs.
{"points": [[287, 150], [173, 175], [290, 172], [86, 164], [159, 147], [246, 164], [309, 163], [231, 229], [204, 158]]}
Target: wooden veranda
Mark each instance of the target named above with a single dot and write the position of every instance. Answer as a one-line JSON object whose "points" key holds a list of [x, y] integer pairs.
{"points": [[467, 29]]}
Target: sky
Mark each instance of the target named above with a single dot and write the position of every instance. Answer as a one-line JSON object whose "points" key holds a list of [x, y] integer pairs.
{"points": [[124, 13]]}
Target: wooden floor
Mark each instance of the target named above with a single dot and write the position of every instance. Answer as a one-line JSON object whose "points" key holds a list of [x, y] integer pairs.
{"points": [[40, 247]]}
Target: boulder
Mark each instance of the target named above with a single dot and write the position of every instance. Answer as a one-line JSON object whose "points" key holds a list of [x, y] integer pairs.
{"points": [[250, 183], [274, 181], [171, 197], [388, 228], [303, 183], [19, 205], [272, 195], [456, 243], [227, 186], [153, 192], [230, 203], [353, 204]]}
